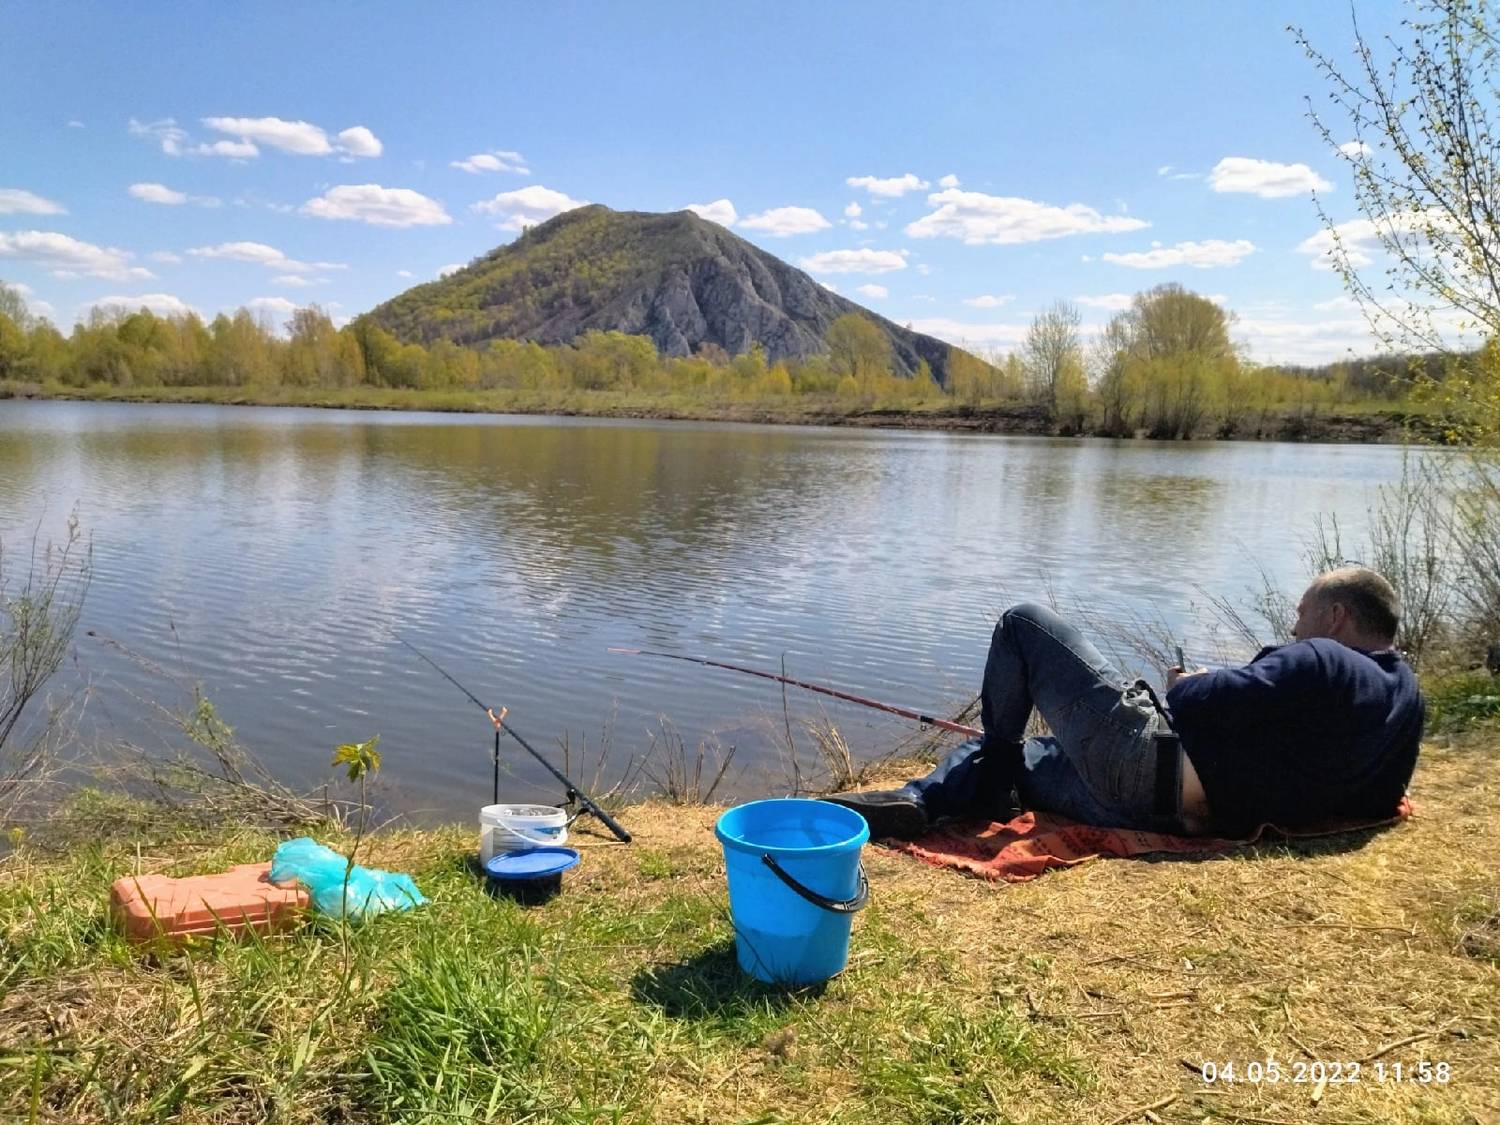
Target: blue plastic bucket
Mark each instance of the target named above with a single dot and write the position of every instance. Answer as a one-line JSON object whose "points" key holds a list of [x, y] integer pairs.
{"points": [[795, 882]]}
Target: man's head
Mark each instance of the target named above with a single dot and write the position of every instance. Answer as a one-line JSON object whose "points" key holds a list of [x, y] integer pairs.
{"points": [[1352, 605]]}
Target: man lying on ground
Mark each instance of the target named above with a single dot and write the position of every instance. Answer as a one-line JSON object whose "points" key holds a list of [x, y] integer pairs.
{"points": [[1320, 730]]}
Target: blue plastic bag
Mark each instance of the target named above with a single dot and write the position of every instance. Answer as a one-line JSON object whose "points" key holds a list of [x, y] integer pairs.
{"points": [[335, 890]]}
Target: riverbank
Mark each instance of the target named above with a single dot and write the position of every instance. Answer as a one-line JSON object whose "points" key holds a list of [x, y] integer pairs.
{"points": [[1090, 995], [1371, 424]]}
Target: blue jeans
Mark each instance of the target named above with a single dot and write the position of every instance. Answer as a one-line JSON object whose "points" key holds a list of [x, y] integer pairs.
{"points": [[1099, 764]]}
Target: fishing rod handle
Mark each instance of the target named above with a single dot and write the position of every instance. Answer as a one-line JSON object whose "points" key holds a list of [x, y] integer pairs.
{"points": [[609, 822]]}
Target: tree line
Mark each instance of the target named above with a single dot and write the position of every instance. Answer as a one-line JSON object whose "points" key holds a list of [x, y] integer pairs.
{"points": [[1165, 367]]}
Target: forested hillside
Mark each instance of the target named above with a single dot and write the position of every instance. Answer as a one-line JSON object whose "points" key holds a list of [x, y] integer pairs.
{"points": [[687, 284]]}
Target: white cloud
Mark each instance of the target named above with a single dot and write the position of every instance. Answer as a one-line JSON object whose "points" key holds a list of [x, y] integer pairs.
{"points": [[892, 188], [297, 281], [160, 193], [257, 252], [277, 309], [378, 206], [720, 211], [1165, 169], [234, 150], [260, 254], [924, 269], [165, 256], [299, 137], [855, 261], [1264, 178], [989, 301], [1355, 149], [527, 206], [979, 219], [854, 210], [163, 304], [949, 181], [1360, 239], [496, 160], [1422, 233], [67, 257], [174, 141], [1200, 255], [858, 224], [165, 132], [1112, 302], [1342, 303], [971, 335], [782, 222], [75, 124], [405, 273], [1274, 338], [830, 286], [359, 141], [451, 267], [253, 198], [1310, 343], [14, 201], [875, 291]]}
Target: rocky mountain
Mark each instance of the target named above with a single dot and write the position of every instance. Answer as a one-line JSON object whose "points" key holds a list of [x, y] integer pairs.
{"points": [[678, 278]]}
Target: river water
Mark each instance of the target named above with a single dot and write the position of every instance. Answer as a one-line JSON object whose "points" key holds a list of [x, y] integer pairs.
{"points": [[278, 556]]}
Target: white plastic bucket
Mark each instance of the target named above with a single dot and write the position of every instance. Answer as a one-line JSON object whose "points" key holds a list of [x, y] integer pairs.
{"points": [[512, 828]]}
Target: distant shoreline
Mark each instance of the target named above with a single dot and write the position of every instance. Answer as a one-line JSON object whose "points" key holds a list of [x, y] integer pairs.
{"points": [[1373, 427]]}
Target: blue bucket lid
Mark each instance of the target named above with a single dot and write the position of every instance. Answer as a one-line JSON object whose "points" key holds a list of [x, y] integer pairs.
{"points": [[532, 863]]}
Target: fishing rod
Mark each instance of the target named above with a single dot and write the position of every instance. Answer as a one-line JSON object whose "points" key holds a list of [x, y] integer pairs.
{"points": [[573, 792], [904, 712]]}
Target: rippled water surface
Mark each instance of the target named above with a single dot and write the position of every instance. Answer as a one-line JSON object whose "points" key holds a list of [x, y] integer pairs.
{"points": [[277, 555]]}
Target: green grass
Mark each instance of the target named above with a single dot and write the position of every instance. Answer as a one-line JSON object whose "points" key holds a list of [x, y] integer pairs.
{"points": [[596, 1007], [1461, 701]]}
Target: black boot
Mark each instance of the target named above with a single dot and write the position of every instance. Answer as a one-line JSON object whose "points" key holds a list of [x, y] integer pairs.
{"points": [[889, 812]]}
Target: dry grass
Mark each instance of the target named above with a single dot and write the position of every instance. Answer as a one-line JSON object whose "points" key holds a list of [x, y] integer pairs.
{"points": [[1319, 951]]}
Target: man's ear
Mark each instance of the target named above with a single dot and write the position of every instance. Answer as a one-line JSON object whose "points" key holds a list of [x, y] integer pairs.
{"points": [[1338, 616]]}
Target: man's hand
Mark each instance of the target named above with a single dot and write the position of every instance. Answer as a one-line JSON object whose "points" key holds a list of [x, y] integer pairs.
{"points": [[1175, 674]]}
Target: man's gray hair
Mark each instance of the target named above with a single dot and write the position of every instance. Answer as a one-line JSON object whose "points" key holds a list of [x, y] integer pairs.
{"points": [[1369, 598]]}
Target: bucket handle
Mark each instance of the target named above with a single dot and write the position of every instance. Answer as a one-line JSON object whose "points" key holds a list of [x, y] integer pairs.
{"points": [[540, 841], [526, 838], [837, 906]]}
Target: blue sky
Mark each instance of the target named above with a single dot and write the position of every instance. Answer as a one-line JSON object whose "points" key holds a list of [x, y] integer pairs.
{"points": [[956, 166]]}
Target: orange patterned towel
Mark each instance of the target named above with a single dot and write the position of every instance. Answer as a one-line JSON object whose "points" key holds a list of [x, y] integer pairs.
{"points": [[1033, 842]]}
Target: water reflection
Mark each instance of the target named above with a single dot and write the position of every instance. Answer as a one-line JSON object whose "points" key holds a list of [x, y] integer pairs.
{"points": [[277, 555]]}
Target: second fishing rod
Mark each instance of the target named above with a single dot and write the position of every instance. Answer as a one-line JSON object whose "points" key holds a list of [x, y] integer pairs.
{"points": [[573, 793], [821, 689]]}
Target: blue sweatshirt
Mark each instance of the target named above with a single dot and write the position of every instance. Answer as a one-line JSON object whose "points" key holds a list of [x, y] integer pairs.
{"points": [[1304, 734]]}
